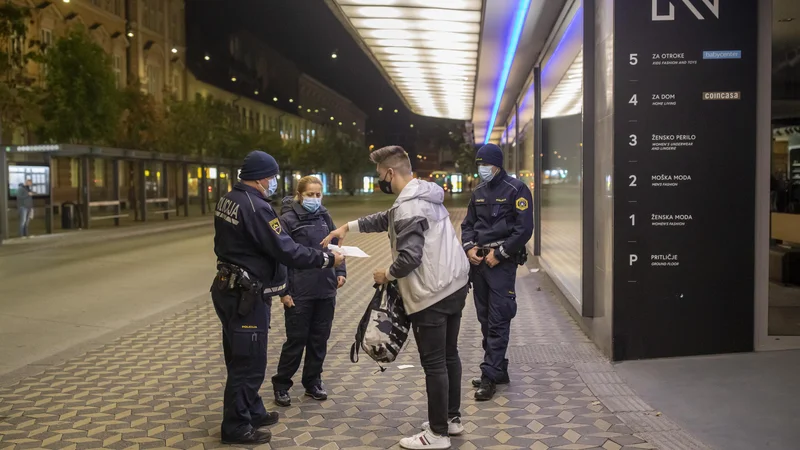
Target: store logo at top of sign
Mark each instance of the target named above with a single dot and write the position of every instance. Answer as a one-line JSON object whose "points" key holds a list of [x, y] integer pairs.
{"points": [[722, 54], [712, 5]]}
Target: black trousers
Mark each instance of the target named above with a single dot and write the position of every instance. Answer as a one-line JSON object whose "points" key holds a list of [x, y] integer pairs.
{"points": [[436, 332], [308, 328], [244, 342], [496, 305]]}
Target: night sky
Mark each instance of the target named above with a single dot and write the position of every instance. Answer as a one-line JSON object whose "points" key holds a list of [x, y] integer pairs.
{"points": [[307, 32]]}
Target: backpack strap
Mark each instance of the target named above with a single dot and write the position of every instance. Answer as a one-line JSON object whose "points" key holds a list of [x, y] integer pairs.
{"points": [[354, 352]]}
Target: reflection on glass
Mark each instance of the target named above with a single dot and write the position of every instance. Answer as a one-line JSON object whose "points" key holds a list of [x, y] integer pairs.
{"points": [[784, 255], [561, 199], [784, 250]]}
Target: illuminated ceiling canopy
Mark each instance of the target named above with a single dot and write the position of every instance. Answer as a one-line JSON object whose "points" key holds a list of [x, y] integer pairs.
{"points": [[567, 97], [427, 48]]}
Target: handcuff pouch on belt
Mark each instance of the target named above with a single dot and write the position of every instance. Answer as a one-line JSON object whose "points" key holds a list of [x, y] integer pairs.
{"points": [[520, 258], [231, 278]]}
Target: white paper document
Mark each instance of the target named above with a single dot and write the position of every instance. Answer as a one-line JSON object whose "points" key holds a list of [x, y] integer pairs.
{"points": [[355, 252]]}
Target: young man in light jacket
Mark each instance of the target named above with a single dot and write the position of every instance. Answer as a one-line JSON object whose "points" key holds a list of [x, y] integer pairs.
{"points": [[432, 275]]}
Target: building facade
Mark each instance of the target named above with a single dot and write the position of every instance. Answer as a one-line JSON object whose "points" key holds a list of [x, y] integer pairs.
{"points": [[145, 38], [321, 104]]}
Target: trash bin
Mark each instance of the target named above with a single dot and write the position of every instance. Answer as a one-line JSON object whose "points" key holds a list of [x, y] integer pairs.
{"points": [[67, 215]]}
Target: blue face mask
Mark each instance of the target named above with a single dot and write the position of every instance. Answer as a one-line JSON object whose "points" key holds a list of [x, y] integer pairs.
{"points": [[273, 187], [486, 173], [312, 204]]}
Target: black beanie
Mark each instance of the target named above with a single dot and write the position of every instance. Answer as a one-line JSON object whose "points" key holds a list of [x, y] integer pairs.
{"points": [[490, 154], [258, 165]]}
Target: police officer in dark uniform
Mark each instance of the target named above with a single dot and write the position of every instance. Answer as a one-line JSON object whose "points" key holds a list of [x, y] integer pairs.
{"points": [[499, 223], [252, 251]]}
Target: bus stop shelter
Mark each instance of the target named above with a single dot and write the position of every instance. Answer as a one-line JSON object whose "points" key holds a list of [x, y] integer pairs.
{"points": [[92, 183]]}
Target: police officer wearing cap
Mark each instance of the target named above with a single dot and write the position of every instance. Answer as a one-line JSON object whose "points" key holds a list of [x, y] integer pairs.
{"points": [[499, 223], [252, 251]]}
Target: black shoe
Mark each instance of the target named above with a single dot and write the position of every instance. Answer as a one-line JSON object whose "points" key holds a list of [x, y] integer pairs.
{"points": [[270, 419], [486, 391], [282, 398], [317, 393], [476, 382], [252, 437]]}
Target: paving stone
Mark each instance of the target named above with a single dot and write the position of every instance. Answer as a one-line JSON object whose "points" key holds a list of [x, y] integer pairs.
{"points": [[162, 386]]}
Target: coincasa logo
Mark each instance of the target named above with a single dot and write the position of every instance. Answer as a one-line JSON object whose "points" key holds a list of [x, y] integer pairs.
{"points": [[658, 5]]}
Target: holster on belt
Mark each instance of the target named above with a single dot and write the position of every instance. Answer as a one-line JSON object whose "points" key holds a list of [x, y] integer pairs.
{"points": [[233, 277]]}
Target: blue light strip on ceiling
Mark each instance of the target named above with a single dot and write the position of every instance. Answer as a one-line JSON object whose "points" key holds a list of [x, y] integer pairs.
{"points": [[575, 26], [511, 50]]}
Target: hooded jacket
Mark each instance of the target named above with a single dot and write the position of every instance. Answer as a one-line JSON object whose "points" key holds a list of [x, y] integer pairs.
{"points": [[429, 264], [309, 229]]}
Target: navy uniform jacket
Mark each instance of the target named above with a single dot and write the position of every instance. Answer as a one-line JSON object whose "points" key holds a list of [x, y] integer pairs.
{"points": [[499, 215], [248, 233], [309, 229]]}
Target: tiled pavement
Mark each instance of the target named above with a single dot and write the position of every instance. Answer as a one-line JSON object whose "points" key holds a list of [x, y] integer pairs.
{"points": [[162, 387]]}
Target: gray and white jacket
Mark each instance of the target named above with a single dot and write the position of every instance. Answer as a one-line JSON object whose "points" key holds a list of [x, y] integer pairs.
{"points": [[429, 263]]}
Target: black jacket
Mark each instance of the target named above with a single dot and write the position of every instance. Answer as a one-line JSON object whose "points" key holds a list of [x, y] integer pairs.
{"points": [[309, 229], [499, 212], [249, 234]]}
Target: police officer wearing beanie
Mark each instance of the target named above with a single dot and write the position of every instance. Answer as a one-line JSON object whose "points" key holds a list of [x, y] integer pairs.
{"points": [[499, 223], [252, 254]]}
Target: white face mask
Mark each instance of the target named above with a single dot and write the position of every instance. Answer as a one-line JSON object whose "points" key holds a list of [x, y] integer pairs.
{"points": [[270, 191], [486, 173]]}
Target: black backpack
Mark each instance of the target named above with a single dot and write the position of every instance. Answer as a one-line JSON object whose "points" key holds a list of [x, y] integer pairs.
{"points": [[384, 328]]}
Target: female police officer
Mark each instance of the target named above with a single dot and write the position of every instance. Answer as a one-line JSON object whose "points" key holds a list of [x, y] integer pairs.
{"points": [[309, 305], [252, 250]]}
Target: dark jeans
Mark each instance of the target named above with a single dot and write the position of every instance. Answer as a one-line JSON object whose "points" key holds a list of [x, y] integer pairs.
{"points": [[308, 327], [244, 341], [436, 332], [495, 305]]}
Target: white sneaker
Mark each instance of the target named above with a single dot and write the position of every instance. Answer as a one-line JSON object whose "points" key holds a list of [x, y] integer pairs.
{"points": [[454, 426], [425, 440]]}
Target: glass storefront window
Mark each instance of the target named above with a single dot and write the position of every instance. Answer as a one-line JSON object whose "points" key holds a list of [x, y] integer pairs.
{"points": [[562, 161]]}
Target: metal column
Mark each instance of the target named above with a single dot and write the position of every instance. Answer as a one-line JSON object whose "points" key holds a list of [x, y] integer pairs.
{"points": [[86, 192], [116, 190], [516, 139], [537, 160], [203, 190], [588, 163], [142, 194], [48, 206], [165, 185], [3, 192], [185, 170]]}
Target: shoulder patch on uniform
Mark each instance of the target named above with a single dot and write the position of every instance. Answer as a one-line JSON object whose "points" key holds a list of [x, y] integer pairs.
{"points": [[522, 204], [275, 224]]}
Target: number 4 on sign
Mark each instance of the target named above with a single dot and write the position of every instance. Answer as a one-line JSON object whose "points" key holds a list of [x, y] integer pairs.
{"points": [[634, 100]]}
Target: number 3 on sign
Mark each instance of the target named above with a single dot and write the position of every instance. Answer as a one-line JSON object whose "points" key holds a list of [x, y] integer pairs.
{"points": [[634, 59], [633, 140]]}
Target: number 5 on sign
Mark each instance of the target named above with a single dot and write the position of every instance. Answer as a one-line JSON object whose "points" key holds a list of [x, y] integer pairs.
{"points": [[634, 59]]}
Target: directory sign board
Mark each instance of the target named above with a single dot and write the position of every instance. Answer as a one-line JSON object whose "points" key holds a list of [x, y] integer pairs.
{"points": [[684, 157]]}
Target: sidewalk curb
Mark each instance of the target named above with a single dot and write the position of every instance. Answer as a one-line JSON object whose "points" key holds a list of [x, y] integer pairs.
{"points": [[49, 362], [60, 240]]}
